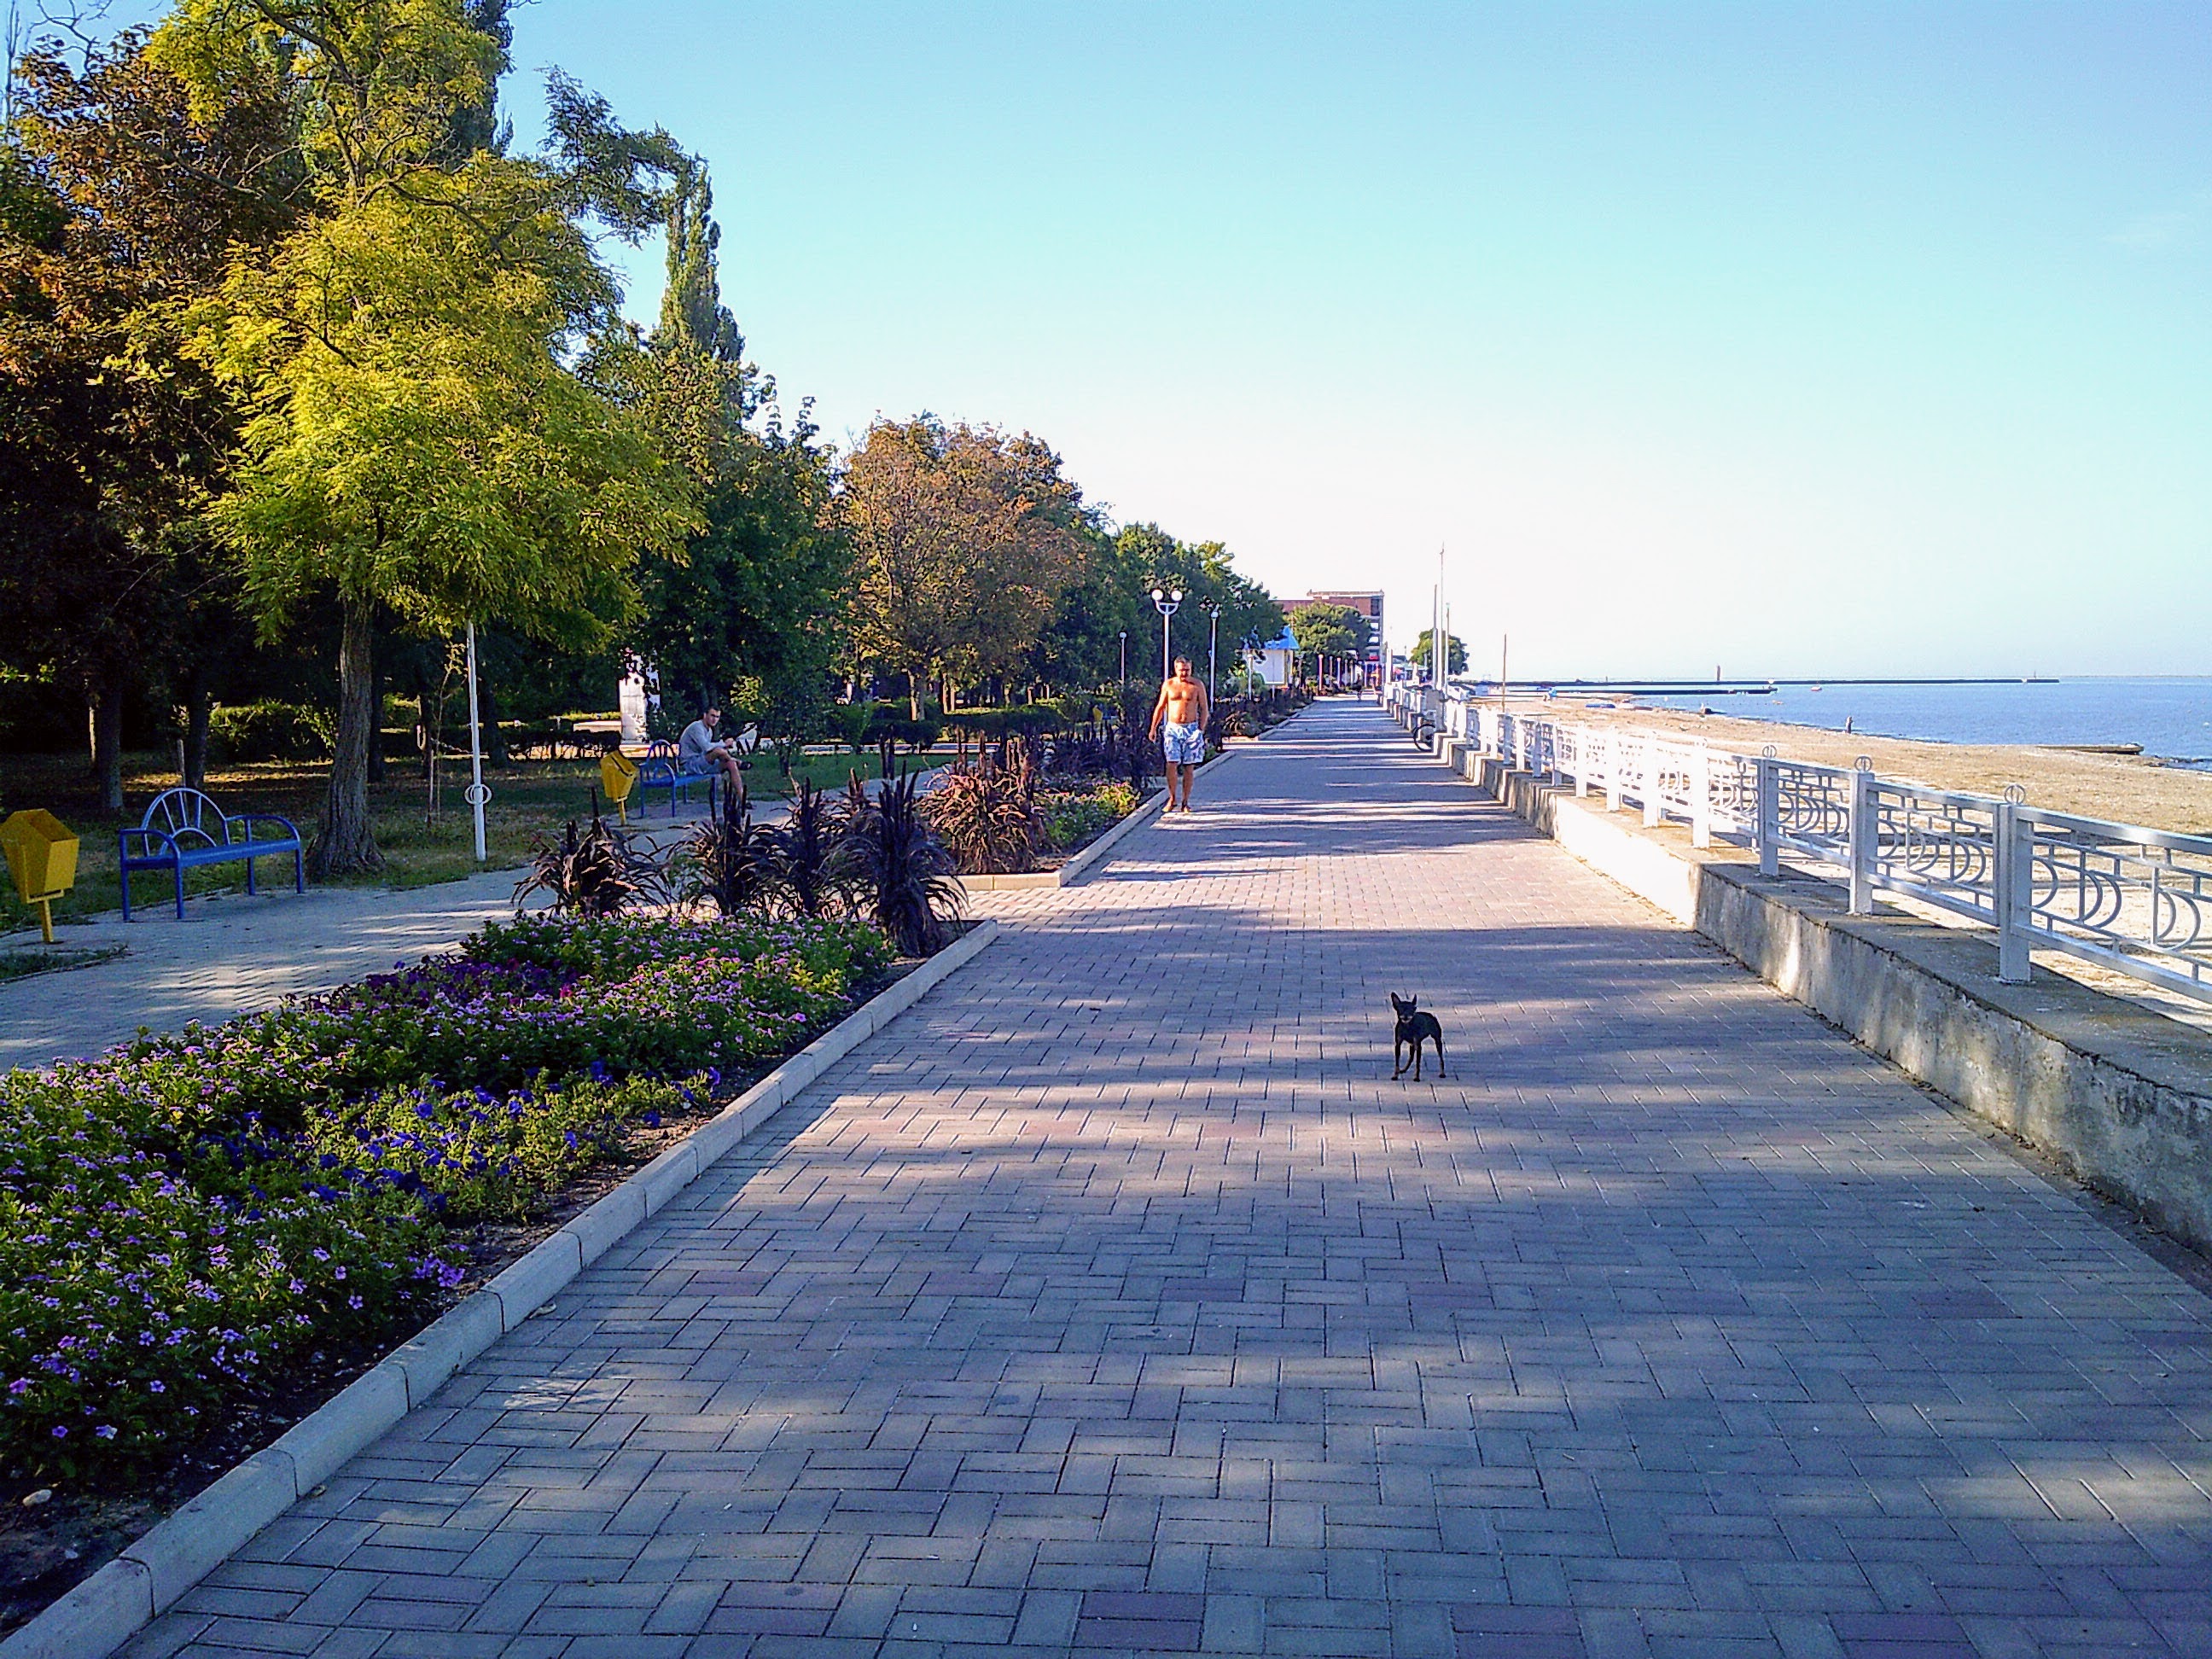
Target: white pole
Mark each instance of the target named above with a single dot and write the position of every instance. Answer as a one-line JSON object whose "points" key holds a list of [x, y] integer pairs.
{"points": [[478, 793]]}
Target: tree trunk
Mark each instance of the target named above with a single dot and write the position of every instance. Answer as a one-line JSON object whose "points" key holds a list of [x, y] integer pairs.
{"points": [[107, 740], [343, 843], [199, 704]]}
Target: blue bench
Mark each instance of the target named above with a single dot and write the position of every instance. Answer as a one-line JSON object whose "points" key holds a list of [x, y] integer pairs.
{"points": [[184, 829], [662, 769]]}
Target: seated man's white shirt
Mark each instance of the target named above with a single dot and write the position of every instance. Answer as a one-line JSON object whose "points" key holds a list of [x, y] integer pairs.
{"points": [[693, 745]]}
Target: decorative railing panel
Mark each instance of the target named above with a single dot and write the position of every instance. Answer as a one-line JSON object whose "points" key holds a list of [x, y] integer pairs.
{"points": [[2130, 898]]}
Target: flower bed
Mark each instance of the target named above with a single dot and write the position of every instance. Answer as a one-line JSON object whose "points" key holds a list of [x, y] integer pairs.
{"points": [[1071, 817], [184, 1218]]}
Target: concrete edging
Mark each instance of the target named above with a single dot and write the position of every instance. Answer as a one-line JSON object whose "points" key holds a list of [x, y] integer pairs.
{"points": [[1071, 873], [149, 1578], [2119, 1095]]}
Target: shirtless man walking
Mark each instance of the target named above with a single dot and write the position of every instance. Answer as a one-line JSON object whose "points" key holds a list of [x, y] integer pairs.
{"points": [[1179, 721]]}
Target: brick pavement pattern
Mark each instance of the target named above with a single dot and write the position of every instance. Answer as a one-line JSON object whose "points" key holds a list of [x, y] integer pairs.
{"points": [[1116, 1300]]}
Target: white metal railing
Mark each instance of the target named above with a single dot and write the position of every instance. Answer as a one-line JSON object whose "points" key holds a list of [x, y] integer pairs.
{"points": [[2130, 898]]}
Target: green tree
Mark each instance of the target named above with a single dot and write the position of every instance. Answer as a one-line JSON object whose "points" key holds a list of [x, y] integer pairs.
{"points": [[963, 540], [756, 594], [116, 203], [1455, 651], [1082, 645], [416, 439], [1327, 630]]}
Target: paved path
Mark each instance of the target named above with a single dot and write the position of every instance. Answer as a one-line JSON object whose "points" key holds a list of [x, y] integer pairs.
{"points": [[230, 954], [1117, 1301]]}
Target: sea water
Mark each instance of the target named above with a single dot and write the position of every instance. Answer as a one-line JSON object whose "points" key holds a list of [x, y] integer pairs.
{"points": [[2169, 717]]}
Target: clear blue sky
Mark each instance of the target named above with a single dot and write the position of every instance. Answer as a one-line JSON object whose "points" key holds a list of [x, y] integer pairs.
{"points": [[1795, 338]]}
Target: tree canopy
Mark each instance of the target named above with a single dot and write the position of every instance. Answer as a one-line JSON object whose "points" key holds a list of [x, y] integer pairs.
{"points": [[1455, 651], [1322, 629], [752, 597], [116, 201], [963, 540], [416, 438], [304, 366]]}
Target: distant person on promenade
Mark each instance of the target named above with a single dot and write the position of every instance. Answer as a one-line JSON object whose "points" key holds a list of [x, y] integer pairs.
{"points": [[1179, 722], [698, 746]]}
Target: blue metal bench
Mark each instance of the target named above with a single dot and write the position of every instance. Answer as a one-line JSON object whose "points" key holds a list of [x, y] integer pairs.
{"points": [[184, 829], [661, 769]]}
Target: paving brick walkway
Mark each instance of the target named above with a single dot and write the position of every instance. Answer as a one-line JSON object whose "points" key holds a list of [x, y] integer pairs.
{"points": [[1116, 1300]]}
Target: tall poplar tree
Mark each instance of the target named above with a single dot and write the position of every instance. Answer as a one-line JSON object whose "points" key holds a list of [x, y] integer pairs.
{"points": [[753, 597]]}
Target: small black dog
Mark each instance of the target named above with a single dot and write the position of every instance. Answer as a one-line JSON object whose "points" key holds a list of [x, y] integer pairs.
{"points": [[1416, 1028]]}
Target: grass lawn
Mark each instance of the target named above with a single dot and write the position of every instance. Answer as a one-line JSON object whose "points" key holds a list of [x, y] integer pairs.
{"points": [[529, 800], [827, 772]]}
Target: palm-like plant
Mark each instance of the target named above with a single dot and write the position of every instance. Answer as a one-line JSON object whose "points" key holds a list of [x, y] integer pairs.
{"points": [[902, 874], [986, 814], [731, 860], [807, 845], [593, 873]]}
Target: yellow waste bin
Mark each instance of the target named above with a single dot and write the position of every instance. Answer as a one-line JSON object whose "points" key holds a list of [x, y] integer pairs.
{"points": [[42, 857], [618, 776]]}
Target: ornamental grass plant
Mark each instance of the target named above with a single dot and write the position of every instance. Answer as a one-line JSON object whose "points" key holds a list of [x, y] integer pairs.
{"points": [[188, 1218]]}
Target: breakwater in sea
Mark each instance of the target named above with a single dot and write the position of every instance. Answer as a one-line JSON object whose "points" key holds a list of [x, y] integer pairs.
{"points": [[2168, 717]]}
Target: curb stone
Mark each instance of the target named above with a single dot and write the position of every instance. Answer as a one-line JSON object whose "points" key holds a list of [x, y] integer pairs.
{"points": [[149, 1578]]}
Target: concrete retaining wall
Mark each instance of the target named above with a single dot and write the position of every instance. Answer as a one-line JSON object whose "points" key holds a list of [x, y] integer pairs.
{"points": [[2117, 1095]]}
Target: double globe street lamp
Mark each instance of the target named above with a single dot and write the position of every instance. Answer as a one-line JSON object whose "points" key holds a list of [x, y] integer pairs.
{"points": [[1167, 602]]}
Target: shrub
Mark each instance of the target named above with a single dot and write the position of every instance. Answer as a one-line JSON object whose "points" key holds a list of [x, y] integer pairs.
{"points": [[1076, 707], [901, 871], [730, 860], [986, 814], [1016, 719], [1070, 817], [807, 870], [848, 722], [270, 730], [594, 874]]}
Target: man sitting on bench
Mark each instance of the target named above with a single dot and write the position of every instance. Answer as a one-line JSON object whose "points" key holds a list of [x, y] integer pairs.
{"points": [[699, 748]]}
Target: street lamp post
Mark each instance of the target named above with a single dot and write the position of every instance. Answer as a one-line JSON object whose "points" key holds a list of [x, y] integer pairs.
{"points": [[1125, 659], [1167, 602], [478, 793], [1212, 609]]}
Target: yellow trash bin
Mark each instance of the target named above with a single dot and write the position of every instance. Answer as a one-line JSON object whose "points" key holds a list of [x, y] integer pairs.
{"points": [[618, 776], [42, 857]]}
